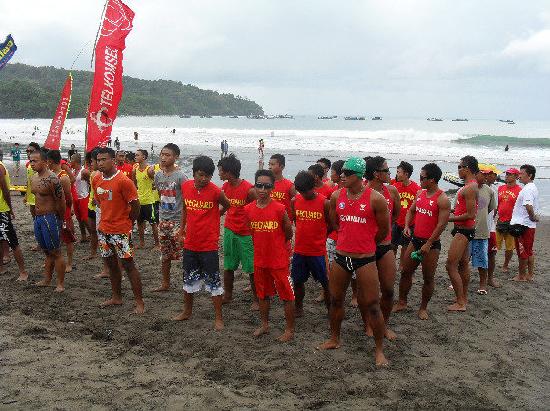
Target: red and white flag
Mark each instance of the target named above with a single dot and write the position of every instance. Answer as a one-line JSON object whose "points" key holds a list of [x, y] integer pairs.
{"points": [[107, 86], [53, 141]]}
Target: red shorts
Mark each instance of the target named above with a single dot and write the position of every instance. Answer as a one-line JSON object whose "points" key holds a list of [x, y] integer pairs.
{"points": [[67, 232], [524, 244], [81, 209], [269, 280], [493, 242]]}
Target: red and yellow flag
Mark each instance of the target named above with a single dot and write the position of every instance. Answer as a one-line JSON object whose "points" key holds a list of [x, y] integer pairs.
{"points": [[53, 141]]}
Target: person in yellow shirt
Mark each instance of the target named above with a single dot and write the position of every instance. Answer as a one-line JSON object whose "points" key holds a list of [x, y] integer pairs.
{"points": [[29, 198], [143, 176], [7, 231]]}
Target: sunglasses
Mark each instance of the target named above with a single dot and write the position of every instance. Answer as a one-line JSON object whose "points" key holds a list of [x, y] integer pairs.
{"points": [[384, 170], [265, 186], [348, 173]]}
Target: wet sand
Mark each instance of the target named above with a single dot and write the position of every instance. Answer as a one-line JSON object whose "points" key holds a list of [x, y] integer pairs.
{"points": [[63, 351]]}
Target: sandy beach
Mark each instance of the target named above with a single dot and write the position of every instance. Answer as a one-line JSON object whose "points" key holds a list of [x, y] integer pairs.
{"points": [[63, 351]]}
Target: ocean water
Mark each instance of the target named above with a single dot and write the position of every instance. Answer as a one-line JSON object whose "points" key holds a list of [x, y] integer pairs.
{"points": [[306, 138]]}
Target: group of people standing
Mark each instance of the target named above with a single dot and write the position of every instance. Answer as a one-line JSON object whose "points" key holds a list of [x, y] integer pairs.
{"points": [[341, 223]]}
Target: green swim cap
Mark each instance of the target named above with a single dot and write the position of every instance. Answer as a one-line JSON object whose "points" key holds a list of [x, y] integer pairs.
{"points": [[355, 164]]}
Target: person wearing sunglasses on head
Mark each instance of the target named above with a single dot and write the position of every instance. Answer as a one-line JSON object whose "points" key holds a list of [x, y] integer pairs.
{"points": [[429, 214], [271, 230], [464, 219], [377, 175], [361, 217]]}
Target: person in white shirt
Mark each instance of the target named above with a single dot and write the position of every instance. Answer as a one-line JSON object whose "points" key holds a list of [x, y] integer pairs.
{"points": [[525, 213]]}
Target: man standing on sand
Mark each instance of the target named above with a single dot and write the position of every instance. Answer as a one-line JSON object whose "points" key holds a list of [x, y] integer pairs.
{"points": [[16, 157], [507, 196], [362, 219], [464, 219], [271, 231], [490, 179], [168, 181], [7, 231], [29, 198], [526, 214], [407, 190], [284, 190], [116, 198], [200, 228], [122, 165], [48, 220], [429, 212], [237, 237]]}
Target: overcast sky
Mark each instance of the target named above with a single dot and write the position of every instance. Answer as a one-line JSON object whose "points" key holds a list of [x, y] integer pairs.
{"points": [[474, 58]]}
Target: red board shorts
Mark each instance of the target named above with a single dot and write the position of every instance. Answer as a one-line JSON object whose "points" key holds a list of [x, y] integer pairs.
{"points": [[524, 244], [493, 242], [81, 209], [67, 231], [271, 281]]}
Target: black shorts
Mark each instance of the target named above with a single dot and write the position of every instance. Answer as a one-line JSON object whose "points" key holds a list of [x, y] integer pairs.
{"points": [[351, 264], [7, 231], [469, 233], [419, 242], [91, 214], [381, 250], [201, 269], [397, 236], [147, 213]]}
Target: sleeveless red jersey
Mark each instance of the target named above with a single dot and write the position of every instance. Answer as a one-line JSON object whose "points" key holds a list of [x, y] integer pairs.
{"points": [[356, 224], [460, 208], [266, 224], [427, 214], [325, 190], [202, 224], [235, 219], [281, 193], [389, 199], [311, 226]]}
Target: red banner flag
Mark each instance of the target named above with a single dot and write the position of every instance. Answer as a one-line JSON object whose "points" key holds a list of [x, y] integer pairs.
{"points": [[53, 141], [107, 87]]}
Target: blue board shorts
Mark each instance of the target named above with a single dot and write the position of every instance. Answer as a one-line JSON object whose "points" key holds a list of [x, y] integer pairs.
{"points": [[479, 251], [47, 231], [303, 266]]}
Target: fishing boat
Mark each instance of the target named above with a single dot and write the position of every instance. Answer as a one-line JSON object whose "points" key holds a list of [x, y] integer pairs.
{"points": [[434, 119], [377, 118], [354, 118], [460, 119]]}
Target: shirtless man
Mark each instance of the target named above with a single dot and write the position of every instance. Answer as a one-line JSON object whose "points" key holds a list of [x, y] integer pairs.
{"points": [[464, 219], [428, 212], [49, 214], [378, 177], [361, 215]]}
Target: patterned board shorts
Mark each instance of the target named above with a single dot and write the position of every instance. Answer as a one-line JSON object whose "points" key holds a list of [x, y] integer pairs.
{"points": [[111, 243], [170, 242]]}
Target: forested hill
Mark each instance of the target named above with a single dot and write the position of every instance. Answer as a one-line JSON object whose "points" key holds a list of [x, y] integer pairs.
{"points": [[33, 92]]}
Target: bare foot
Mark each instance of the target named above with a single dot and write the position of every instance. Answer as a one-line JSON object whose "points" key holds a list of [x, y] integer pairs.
{"points": [[255, 306], [353, 302], [6, 261], [529, 278], [321, 297], [298, 312], [390, 335], [184, 315], [519, 278], [163, 288], [68, 269], [399, 306], [264, 329], [112, 301], [59, 289], [218, 325], [505, 269], [23, 276], [102, 274], [329, 345], [494, 284], [43, 283], [456, 307], [368, 331], [380, 360], [140, 308], [423, 314], [227, 299], [286, 336]]}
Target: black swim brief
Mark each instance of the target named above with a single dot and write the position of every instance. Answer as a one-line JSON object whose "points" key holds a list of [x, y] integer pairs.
{"points": [[469, 233], [381, 250], [350, 264], [419, 242]]}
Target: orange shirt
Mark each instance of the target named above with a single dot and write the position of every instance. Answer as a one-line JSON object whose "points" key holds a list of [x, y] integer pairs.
{"points": [[114, 196]]}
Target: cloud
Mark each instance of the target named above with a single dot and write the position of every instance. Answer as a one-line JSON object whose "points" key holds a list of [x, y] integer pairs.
{"points": [[532, 51]]}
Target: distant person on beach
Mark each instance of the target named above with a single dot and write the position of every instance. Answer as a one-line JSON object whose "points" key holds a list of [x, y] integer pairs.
{"points": [[49, 214], [261, 148], [8, 234], [117, 144], [506, 148], [71, 152], [237, 237], [109, 142], [271, 232], [526, 214], [361, 216], [117, 199], [16, 157], [464, 219], [507, 196], [325, 163], [168, 181], [174, 131], [203, 204], [222, 148], [429, 213]]}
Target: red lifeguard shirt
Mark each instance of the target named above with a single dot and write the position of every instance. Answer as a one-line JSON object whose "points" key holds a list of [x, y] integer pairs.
{"points": [[235, 219], [427, 214], [281, 193], [126, 169], [325, 190], [202, 225], [506, 200], [311, 226], [266, 224], [407, 194]]}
